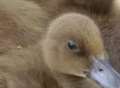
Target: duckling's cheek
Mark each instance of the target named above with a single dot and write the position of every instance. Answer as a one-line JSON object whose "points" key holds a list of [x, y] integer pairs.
{"points": [[104, 74]]}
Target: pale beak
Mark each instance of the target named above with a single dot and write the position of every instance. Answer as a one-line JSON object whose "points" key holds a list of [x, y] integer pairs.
{"points": [[104, 74]]}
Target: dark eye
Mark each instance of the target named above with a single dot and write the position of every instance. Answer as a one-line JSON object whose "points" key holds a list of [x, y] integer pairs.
{"points": [[72, 45]]}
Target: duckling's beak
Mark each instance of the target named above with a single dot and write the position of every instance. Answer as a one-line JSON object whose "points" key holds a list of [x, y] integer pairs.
{"points": [[104, 74]]}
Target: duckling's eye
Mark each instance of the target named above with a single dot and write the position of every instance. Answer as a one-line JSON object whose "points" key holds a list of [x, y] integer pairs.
{"points": [[72, 45]]}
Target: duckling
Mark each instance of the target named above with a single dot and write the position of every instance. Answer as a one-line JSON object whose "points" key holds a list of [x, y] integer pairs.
{"points": [[72, 50], [70, 55]]}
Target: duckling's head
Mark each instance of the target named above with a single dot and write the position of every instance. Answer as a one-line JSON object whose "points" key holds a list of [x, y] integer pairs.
{"points": [[73, 46]]}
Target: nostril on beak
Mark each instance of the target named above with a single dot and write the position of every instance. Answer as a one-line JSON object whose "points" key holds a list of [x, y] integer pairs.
{"points": [[101, 70]]}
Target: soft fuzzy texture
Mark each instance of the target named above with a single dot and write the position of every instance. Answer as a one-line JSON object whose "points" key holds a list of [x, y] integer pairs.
{"points": [[29, 21]]}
